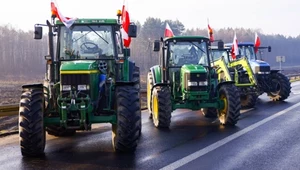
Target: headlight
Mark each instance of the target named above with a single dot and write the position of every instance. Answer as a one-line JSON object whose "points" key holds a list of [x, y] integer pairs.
{"points": [[202, 83], [66, 87], [81, 87], [192, 83]]}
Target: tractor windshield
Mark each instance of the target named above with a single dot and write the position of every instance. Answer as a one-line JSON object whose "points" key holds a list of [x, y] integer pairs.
{"points": [[187, 52], [216, 54], [247, 51], [86, 42]]}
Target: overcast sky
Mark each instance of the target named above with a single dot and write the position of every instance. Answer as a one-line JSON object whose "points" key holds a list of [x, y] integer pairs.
{"points": [[270, 16]]}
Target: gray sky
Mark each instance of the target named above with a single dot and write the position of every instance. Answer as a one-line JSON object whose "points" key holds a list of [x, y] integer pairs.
{"points": [[270, 16]]}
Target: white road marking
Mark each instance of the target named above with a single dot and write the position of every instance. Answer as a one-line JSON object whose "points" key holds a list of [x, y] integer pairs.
{"points": [[222, 142]]}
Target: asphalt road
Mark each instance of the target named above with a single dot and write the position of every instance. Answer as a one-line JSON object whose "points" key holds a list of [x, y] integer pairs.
{"points": [[266, 137]]}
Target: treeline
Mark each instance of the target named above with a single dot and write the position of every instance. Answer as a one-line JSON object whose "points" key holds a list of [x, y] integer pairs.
{"points": [[21, 55]]}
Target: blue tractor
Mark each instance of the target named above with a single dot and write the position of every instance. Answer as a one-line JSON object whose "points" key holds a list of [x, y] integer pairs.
{"points": [[270, 81]]}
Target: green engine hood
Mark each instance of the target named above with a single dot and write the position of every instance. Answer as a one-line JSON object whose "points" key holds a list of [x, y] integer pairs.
{"points": [[78, 65], [193, 69]]}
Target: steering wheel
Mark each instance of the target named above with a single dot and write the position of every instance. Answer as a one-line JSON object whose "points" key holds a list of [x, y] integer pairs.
{"points": [[90, 47]]}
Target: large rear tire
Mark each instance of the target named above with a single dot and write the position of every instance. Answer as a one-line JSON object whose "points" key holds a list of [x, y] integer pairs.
{"points": [[230, 114], [161, 107], [126, 132], [282, 89], [31, 122], [149, 93], [248, 101], [136, 78]]}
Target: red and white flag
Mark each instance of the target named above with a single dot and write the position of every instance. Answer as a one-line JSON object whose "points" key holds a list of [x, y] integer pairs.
{"points": [[256, 43], [168, 31], [235, 48], [210, 34], [68, 22], [125, 25]]}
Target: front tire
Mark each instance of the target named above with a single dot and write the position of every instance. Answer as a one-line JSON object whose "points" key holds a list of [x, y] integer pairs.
{"points": [[282, 87], [31, 122], [126, 132], [161, 107], [229, 115]]}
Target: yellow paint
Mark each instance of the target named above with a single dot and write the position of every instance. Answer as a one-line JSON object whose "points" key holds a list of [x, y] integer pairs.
{"points": [[148, 94], [155, 107], [223, 112]]}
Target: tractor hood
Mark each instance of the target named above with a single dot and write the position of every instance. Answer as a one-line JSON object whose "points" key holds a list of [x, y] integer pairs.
{"points": [[78, 65], [193, 80], [193, 69], [259, 67]]}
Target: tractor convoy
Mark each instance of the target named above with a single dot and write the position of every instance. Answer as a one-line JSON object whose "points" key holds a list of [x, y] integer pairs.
{"points": [[90, 78]]}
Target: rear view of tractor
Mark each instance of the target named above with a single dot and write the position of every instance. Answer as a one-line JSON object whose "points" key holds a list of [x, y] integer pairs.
{"points": [[89, 79], [239, 71], [276, 85], [185, 78]]}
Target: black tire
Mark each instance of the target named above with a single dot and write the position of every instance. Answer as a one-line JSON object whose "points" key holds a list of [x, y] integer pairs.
{"points": [[149, 93], [283, 87], [126, 132], [162, 107], [136, 78], [209, 112], [230, 114], [60, 131], [31, 122], [248, 101], [137, 85]]}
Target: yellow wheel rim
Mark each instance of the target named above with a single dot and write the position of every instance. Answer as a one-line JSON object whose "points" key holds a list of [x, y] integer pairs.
{"points": [[148, 95], [155, 109], [223, 112]]}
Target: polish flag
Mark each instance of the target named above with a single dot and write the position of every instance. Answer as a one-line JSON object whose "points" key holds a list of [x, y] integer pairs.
{"points": [[168, 31], [235, 48], [210, 34], [256, 43], [125, 25], [68, 22]]}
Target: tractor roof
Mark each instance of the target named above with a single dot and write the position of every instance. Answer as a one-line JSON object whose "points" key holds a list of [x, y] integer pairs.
{"points": [[186, 38], [85, 21]]}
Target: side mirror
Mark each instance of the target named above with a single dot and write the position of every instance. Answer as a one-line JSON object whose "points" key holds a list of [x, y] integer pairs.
{"points": [[132, 30], [126, 52], [220, 45], [38, 32], [156, 45], [269, 49]]}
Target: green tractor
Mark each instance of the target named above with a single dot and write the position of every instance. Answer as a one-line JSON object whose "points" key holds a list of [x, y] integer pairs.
{"points": [[89, 79], [185, 78], [239, 71]]}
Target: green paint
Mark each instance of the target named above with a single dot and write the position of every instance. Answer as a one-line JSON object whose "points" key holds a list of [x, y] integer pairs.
{"points": [[78, 65], [91, 21]]}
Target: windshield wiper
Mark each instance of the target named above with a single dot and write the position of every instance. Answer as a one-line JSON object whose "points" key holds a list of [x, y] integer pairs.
{"points": [[98, 34], [82, 36], [197, 47]]}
